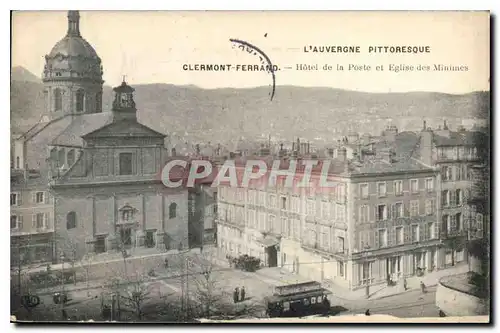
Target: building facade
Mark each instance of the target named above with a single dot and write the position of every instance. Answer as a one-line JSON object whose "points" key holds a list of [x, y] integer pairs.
{"points": [[378, 223], [111, 197]]}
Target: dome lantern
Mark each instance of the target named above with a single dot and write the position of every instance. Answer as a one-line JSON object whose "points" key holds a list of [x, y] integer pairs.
{"points": [[73, 23]]}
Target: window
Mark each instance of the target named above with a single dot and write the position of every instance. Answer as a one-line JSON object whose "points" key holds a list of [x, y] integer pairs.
{"points": [[398, 210], [398, 187], [414, 208], [71, 220], [272, 201], [479, 225], [414, 233], [430, 206], [313, 300], [17, 163], [270, 223], [399, 235], [430, 230], [429, 184], [382, 238], [100, 244], [325, 210], [381, 212], [80, 99], [172, 210], [459, 221], [285, 228], [39, 221], [57, 99], [364, 214], [296, 204], [340, 244], [71, 157], [15, 199], [366, 273], [459, 196], [38, 197], [381, 189], [363, 191], [125, 163], [283, 203], [414, 185], [445, 224], [14, 222], [446, 173], [445, 198], [341, 268], [311, 207]]}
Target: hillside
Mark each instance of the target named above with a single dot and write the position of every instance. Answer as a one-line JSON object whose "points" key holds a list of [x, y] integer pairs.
{"points": [[221, 115]]}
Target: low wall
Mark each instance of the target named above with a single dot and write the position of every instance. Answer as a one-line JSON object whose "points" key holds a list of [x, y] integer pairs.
{"points": [[454, 299]]}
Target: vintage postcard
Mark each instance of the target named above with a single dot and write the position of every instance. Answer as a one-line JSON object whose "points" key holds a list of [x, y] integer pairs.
{"points": [[250, 166]]}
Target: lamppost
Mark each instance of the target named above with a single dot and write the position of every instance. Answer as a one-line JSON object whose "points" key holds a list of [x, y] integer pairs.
{"points": [[61, 297]]}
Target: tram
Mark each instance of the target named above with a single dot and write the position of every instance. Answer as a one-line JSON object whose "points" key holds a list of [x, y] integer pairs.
{"points": [[298, 300]]}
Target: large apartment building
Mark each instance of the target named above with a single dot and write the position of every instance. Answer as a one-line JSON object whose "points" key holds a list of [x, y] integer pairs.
{"points": [[390, 214], [31, 218]]}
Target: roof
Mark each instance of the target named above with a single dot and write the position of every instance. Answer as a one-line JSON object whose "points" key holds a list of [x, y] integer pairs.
{"points": [[124, 127], [376, 166], [81, 125], [74, 46], [462, 138]]}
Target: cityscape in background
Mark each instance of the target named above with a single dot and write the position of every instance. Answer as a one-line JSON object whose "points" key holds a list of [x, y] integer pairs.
{"points": [[91, 218]]}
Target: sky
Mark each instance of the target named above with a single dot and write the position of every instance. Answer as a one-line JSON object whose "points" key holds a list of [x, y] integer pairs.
{"points": [[153, 46]]}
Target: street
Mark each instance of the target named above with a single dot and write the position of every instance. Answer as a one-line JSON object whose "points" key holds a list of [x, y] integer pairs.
{"points": [[163, 296]]}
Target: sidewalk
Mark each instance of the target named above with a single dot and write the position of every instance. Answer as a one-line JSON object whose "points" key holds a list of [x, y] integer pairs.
{"points": [[277, 276]]}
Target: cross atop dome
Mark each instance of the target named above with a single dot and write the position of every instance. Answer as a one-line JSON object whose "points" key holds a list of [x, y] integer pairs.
{"points": [[73, 23]]}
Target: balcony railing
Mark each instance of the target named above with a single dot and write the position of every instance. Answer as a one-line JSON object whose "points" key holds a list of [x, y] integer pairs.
{"points": [[326, 250], [446, 234]]}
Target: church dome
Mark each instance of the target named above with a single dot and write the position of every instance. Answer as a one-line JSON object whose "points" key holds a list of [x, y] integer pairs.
{"points": [[72, 57], [73, 46]]}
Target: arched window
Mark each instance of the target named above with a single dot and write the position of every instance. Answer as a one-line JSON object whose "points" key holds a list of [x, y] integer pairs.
{"points": [[71, 220], [98, 102], [80, 98], [57, 99], [71, 157], [172, 210]]}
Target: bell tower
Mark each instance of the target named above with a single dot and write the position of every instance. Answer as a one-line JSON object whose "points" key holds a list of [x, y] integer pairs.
{"points": [[123, 103]]}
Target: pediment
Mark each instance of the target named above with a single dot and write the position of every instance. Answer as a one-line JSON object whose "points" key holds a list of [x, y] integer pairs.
{"points": [[125, 128]]}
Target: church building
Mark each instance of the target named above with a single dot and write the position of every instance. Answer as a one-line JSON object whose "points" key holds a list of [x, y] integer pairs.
{"points": [[99, 169]]}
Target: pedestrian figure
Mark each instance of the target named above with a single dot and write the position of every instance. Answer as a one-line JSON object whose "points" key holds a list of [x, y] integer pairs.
{"points": [[64, 314], [422, 287], [235, 295], [441, 313], [166, 263], [405, 284], [367, 313], [242, 298]]}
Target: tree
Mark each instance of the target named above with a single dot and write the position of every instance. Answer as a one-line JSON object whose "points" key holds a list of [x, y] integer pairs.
{"points": [[86, 263], [136, 293], [454, 244]]}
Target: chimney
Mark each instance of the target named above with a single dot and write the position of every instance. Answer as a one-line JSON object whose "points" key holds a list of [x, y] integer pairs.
{"points": [[387, 155], [342, 154], [425, 145], [425, 126], [445, 126], [293, 145]]}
